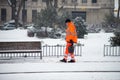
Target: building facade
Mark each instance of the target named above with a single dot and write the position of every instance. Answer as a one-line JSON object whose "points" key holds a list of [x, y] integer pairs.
{"points": [[93, 11]]}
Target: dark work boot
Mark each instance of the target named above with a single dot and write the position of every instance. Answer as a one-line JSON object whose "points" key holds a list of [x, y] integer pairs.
{"points": [[71, 61], [63, 60]]}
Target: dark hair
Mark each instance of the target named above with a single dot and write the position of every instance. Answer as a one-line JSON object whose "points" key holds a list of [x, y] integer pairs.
{"points": [[67, 20]]}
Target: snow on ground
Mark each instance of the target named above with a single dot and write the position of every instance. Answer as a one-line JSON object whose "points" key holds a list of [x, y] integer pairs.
{"points": [[92, 50], [15, 35], [90, 66], [60, 71]]}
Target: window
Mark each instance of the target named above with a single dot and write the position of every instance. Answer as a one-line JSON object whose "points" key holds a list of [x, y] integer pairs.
{"points": [[43, 0], [94, 1], [79, 14], [34, 15], [3, 14], [34, 0], [84, 1], [24, 15], [73, 1]]}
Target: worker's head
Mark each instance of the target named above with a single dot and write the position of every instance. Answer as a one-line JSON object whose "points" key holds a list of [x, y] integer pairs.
{"points": [[67, 21]]}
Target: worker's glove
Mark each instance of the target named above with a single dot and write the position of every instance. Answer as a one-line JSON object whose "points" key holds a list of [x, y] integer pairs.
{"points": [[71, 41]]}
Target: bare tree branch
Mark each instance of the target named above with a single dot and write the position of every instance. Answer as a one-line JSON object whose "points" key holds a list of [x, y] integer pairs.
{"points": [[55, 3], [18, 11], [19, 7], [9, 2], [59, 9]]}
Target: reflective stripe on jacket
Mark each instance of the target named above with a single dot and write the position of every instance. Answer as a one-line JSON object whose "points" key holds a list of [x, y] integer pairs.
{"points": [[71, 32]]}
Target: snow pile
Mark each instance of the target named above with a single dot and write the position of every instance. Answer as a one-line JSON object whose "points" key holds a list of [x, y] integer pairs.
{"points": [[16, 35]]}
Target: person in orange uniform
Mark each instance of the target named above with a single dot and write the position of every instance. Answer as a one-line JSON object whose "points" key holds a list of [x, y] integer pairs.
{"points": [[71, 38]]}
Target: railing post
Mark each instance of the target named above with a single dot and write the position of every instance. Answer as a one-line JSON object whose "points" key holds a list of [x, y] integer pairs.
{"points": [[119, 51], [116, 51], [81, 50], [40, 55], [104, 51], [58, 50]]}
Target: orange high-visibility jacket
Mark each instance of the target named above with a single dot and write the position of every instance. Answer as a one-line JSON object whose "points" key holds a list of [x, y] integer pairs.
{"points": [[71, 33]]}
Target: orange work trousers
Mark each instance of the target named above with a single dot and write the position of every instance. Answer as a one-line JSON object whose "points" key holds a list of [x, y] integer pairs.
{"points": [[67, 52]]}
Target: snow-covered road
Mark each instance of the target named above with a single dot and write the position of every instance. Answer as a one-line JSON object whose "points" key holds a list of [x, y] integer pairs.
{"points": [[61, 71], [46, 67], [62, 76]]}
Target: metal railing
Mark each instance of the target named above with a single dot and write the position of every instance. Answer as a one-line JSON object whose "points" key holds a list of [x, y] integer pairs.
{"points": [[111, 50], [58, 50], [47, 51]]}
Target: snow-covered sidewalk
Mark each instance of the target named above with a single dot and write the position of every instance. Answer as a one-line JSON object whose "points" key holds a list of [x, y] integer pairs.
{"points": [[61, 71], [59, 67]]}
